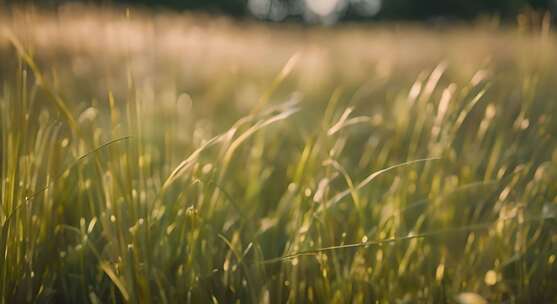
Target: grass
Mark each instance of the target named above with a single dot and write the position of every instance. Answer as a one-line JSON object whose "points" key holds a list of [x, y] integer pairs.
{"points": [[320, 168]]}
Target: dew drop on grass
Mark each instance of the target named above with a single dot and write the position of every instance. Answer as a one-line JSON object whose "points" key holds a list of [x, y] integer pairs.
{"points": [[440, 272], [505, 193], [170, 228], [490, 278], [470, 298], [524, 124], [207, 168], [65, 142], [292, 187]]}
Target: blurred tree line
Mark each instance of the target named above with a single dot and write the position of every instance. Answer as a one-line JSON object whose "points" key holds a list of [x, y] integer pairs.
{"points": [[334, 10]]}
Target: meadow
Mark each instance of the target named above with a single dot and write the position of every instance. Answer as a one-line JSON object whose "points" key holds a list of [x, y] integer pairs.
{"points": [[174, 158]]}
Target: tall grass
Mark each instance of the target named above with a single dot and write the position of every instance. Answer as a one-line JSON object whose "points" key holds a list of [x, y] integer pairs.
{"points": [[440, 189]]}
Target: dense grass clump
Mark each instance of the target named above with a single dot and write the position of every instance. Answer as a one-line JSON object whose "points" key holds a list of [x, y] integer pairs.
{"points": [[421, 183]]}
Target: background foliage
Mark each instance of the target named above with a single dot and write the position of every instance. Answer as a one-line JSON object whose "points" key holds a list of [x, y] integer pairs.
{"points": [[346, 9]]}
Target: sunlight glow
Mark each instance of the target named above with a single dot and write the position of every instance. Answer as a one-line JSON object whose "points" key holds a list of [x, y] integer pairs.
{"points": [[323, 7]]}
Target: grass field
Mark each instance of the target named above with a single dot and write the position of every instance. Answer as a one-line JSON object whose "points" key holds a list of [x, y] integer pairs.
{"points": [[164, 158]]}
